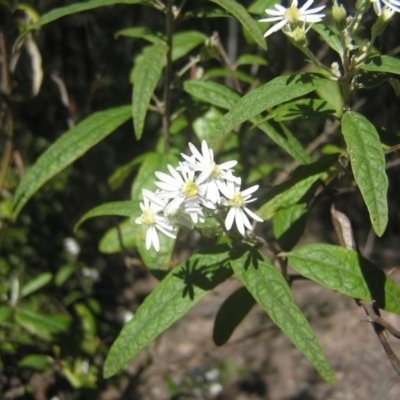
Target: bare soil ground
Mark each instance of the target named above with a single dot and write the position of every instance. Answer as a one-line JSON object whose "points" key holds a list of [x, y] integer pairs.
{"points": [[259, 362]]}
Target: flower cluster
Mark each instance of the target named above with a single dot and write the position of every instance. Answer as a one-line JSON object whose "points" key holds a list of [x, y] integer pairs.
{"points": [[196, 187], [292, 18]]}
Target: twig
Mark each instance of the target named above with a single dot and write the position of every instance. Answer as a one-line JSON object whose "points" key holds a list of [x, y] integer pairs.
{"points": [[166, 121], [380, 325]]}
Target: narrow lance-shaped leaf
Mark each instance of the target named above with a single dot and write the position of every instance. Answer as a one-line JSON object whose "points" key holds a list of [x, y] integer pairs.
{"points": [[179, 291], [146, 75], [292, 190], [121, 208], [78, 7], [345, 271], [273, 294], [368, 165], [122, 236], [277, 91], [239, 12], [184, 42], [69, 147], [221, 96]]}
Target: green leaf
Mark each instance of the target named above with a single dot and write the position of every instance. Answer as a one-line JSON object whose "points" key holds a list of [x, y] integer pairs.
{"points": [[289, 225], [302, 109], [180, 290], [123, 236], [126, 208], [281, 136], [70, 146], [205, 124], [277, 91], [384, 64], [5, 313], [241, 14], [231, 314], [331, 92], [147, 73], [329, 37], [121, 174], [43, 326], [140, 33], [78, 7], [212, 93], [273, 294], [36, 283], [346, 272], [368, 165], [40, 362], [250, 59], [63, 274], [185, 42], [221, 96], [291, 191]]}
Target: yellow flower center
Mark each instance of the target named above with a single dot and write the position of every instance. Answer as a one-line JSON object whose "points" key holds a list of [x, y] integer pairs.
{"points": [[148, 217], [292, 14], [189, 189], [237, 200], [215, 172]]}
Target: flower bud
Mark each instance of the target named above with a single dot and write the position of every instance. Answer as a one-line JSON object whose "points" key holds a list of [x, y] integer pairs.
{"points": [[380, 24], [362, 6], [339, 16]]}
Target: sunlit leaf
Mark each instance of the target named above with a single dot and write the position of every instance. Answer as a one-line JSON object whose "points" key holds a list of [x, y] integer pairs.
{"points": [[119, 238], [272, 293], [368, 165], [69, 147], [291, 191], [277, 91], [385, 64], [329, 37], [347, 272], [179, 291], [125, 208]]}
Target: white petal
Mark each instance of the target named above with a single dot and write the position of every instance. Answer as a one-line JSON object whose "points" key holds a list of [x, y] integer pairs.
{"points": [[148, 237], [239, 220], [165, 232], [227, 164], [167, 178], [167, 187], [156, 241], [229, 219], [175, 174], [306, 5], [138, 220], [195, 152], [153, 198], [206, 152], [246, 222], [250, 190], [272, 19], [275, 28], [252, 215]]}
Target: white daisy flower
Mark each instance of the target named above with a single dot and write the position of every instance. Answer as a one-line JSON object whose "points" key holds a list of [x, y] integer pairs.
{"points": [[293, 16], [237, 200], [216, 174], [151, 207], [181, 185]]}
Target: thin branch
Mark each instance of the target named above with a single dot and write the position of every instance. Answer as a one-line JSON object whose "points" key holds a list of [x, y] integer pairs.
{"points": [[380, 325], [166, 120]]}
